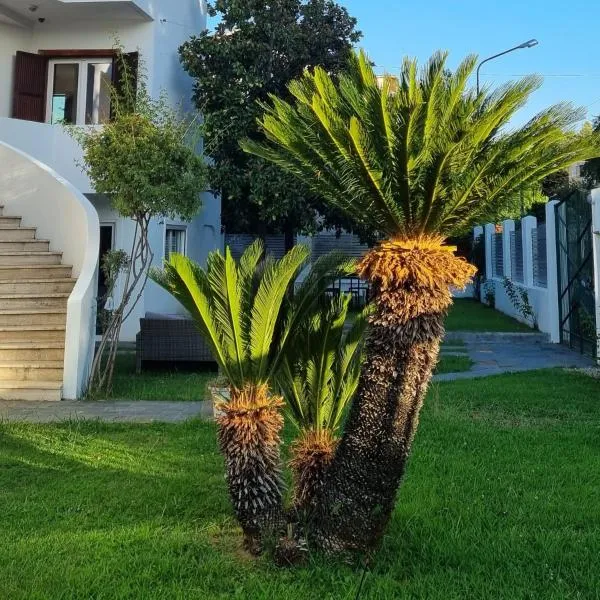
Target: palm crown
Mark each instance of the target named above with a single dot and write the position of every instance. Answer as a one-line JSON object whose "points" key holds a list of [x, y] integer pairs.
{"points": [[239, 306], [320, 374], [419, 154]]}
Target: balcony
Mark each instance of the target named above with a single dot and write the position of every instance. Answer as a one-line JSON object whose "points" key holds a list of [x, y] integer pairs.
{"points": [[26, 14]]}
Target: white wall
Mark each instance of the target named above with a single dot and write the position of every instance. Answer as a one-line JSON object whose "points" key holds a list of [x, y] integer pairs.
{"points": [[12, 38]]}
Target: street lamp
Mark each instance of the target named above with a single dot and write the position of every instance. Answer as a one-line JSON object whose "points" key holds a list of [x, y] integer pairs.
{"points": [[527, 44]]}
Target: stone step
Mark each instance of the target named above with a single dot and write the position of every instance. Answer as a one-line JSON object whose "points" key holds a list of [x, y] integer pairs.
{"points": [[33, 333], [16, 234], [33, 301], [31, 390], [34, 316], [25, 246], [44, 370], [37, 286], [29, 258], [34, 272], [10, 221], [30, 352]]}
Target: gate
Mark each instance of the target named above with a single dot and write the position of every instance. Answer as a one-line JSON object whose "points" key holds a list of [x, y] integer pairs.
{"points": [[577, 311]]}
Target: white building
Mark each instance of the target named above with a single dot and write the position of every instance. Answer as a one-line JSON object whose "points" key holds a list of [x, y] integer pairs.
{"points": [[55, 60]]}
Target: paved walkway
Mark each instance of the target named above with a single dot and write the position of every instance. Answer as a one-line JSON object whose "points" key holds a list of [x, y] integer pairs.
{"points": [[496, 353], [492, 354], [123, 412]]}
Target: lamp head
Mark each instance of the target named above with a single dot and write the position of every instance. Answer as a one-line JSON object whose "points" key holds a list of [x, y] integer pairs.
{"points": [[529, 44]]}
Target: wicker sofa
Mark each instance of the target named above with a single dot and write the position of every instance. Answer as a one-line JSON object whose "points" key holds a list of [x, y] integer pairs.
{"points": [[167, 339]]}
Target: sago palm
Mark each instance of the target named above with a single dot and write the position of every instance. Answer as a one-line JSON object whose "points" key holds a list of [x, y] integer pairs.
{"points": [[318, 378], [415, 158], [243, 311]]}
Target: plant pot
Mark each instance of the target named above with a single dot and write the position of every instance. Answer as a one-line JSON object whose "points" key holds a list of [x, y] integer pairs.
{"points": [[218, 395]]}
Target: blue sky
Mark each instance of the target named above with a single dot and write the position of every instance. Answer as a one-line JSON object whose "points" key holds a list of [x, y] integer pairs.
{"points": [[567, 54]]}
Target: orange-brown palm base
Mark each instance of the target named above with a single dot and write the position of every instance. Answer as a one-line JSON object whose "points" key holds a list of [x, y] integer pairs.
{"points": [[312, 453], [413, 277], [249, 437]]}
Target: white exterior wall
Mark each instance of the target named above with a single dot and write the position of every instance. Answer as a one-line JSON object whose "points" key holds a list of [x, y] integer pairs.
{"points": [[158, 41]]}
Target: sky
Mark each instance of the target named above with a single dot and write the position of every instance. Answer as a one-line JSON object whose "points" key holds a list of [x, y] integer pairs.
{"points": [[567, 55]]}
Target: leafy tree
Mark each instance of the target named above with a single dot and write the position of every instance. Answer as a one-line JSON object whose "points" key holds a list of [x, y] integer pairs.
{"points": [[591, 169], [256, 50], [243, 312], [418, 158], [144, 161]]}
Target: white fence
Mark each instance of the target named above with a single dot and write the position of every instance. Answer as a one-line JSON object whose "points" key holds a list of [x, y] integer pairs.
{"points": [[525, 253]]}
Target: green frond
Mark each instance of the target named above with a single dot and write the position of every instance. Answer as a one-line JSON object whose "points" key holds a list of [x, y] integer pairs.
{"points": [[320, 373], [421, 153]]}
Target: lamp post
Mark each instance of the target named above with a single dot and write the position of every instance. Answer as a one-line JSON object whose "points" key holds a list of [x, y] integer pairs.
{"points": [[527, 44]]}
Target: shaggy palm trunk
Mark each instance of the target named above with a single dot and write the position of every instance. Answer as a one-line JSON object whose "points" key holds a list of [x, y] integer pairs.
{"points": [[249, 437], [411, 282], [312, 454]]}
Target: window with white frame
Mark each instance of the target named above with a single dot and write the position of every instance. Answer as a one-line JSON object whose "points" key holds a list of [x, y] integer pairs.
{"points": [[79, 91], [175, 240]]}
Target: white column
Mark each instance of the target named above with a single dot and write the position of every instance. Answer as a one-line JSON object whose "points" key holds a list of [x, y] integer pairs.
{"points": [[552, 266], [508, 227], [596, 250], [488, 232], [528, 224]]}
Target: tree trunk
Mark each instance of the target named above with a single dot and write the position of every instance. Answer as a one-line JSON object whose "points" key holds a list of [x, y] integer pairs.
{"points": [[365, 475], [249, 437], [411, 281], [312, 454]]}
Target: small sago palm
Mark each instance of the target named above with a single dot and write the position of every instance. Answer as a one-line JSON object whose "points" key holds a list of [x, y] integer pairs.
{"points": [[318, 378], [243, 311], [416, 159]]}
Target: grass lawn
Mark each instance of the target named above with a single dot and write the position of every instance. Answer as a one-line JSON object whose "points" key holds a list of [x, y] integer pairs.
{"points": [[470, 315], [453, 364], [501, 500], [160, 384]]}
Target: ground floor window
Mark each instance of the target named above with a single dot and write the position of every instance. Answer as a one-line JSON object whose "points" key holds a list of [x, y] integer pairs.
{"points": [[175, 241]]}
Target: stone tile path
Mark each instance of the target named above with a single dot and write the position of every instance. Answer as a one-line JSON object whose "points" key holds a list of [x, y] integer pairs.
{"points": [[495, 353], [124, 412]]}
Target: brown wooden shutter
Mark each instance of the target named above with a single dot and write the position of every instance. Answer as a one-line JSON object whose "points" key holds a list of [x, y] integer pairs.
{"points": [[29, 88], [125, 87]]}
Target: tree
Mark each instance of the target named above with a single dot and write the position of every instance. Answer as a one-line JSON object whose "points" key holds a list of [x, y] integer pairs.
{"points": [[318, 378], [420, 158], [243, 311], [146, 163], [591, 169], [257, 49]]}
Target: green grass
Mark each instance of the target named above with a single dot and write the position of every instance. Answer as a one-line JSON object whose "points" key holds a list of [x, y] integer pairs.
{"points": [[453, 364], [501, 501], [470, 315], [158, 384]]}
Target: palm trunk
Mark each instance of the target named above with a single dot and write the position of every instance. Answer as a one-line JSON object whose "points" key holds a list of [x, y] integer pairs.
{"points": [[249, 437], [312, 454], [365, 475], [411, 282]]}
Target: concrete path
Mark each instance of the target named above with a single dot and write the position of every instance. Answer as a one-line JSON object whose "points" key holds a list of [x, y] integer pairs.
{"points": [[492, 353], [123, 412], [496, 353]]}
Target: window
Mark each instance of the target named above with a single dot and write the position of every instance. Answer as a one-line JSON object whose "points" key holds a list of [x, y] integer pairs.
{"points": [[79, 91], [174, 241]]}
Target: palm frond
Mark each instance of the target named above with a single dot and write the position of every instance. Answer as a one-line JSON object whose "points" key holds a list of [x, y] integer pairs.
{"points": [[417, 154]]}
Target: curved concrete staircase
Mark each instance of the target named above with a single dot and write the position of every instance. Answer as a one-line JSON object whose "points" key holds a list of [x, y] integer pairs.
{"points": [[34, 290]]}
